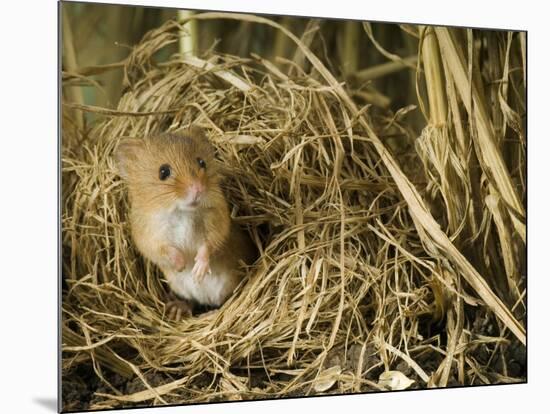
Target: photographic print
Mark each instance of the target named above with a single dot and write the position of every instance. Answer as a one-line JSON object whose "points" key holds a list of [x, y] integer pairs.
{"points": [[261, 207]]}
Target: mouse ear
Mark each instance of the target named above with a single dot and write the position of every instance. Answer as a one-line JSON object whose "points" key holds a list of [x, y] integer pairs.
{"points": [[197, 131], [125, 153]]}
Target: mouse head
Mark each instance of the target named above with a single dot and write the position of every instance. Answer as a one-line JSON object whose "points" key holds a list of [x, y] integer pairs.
{"points": [[170, 170]]}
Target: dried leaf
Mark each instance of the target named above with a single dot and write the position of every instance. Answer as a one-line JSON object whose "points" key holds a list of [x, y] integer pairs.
{"points": [[394, 380], [327, 379]]}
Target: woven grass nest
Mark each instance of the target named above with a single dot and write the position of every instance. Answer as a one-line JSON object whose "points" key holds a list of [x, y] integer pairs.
{"points": [[351, 280]]}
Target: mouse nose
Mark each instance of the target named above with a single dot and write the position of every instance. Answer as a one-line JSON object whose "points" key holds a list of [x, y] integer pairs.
{"points": [[196, 190]]}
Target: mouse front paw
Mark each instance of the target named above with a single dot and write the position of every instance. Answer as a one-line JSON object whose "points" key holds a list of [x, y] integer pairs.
{"points": [[174, 257], [202, 264]]}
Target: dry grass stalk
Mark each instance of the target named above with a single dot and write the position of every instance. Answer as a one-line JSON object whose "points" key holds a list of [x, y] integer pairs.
{"points": [[350, 42], [384, 69], [70, 63], [188, 39], [488, 154]]}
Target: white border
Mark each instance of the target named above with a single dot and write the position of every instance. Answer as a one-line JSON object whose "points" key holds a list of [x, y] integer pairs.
{"points": [[28, 202]]}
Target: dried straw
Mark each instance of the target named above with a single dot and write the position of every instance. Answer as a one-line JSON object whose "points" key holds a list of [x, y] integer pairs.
{"points": [[352, 262]]}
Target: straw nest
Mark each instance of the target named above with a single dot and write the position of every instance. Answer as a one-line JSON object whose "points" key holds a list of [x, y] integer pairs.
{"points": [[352, 281]]}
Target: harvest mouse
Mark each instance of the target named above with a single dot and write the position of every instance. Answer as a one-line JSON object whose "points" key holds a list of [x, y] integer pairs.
{"points": [[180, 219]]}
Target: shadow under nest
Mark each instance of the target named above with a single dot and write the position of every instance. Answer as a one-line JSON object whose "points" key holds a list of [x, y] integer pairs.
{"points": [[344, 288]]}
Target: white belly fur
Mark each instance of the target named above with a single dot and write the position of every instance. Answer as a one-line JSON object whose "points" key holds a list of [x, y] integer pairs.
{"points": [[182, 230], [212, 290]]}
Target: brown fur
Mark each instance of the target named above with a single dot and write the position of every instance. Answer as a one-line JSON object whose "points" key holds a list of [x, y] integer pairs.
{"points": [[217, 239]]}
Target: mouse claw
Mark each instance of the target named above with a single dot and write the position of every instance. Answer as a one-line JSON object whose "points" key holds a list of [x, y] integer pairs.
{"points": [[200, 269], [202, 265], [178, 310]]}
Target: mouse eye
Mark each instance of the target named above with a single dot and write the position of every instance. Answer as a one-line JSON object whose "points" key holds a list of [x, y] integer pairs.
{"points": [[202, 163], [164, 172]]}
